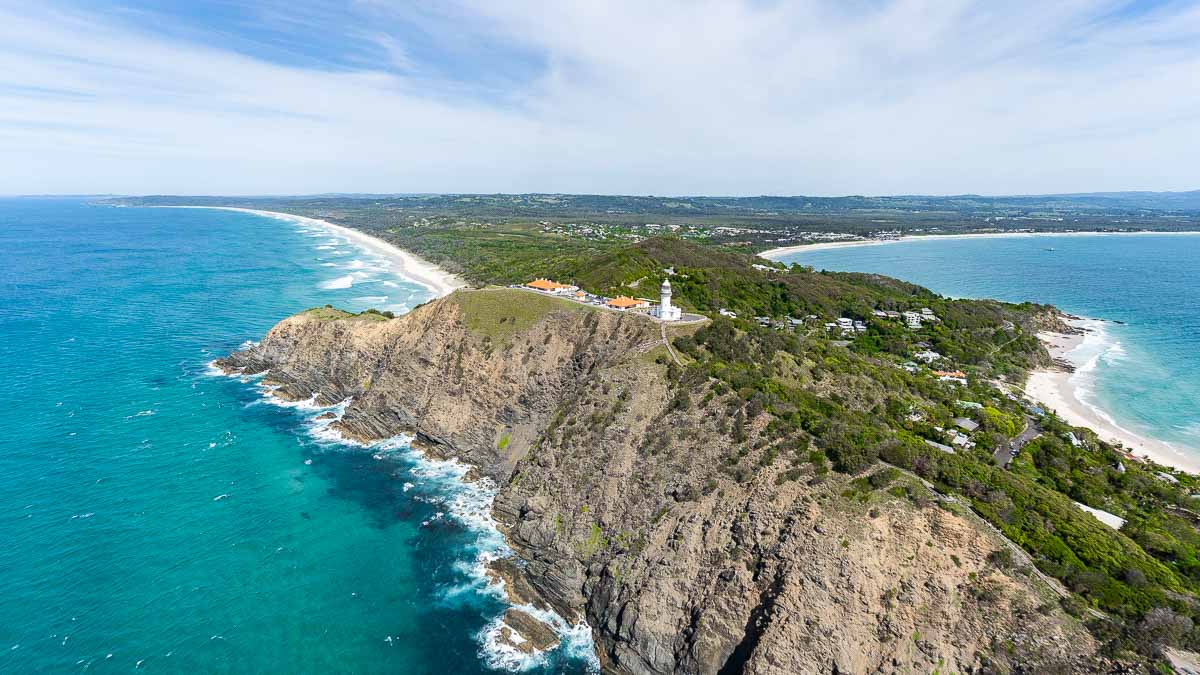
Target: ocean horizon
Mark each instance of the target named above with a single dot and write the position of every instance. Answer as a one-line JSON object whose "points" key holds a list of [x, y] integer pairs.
{"points": [[162, 516], [1136, 367]]}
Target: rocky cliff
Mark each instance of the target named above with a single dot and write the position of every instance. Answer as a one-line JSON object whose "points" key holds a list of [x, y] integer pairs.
{"points": [[611, 496]]}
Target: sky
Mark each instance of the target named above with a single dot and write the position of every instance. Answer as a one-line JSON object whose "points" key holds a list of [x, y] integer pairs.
{"points": [[617, 97]]}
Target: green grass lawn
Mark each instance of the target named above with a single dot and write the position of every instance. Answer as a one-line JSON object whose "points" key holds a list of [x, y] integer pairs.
{"points": [[500, 313], [333, 314]]}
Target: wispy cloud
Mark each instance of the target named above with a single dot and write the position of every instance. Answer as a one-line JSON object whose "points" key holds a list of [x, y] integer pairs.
{"points": [[713, 97]]}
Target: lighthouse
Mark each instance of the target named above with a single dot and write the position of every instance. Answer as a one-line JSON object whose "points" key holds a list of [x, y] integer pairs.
{"points": [[665, 311]]}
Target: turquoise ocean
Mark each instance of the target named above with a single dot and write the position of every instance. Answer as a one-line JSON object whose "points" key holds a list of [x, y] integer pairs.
{"points": [[1140, 365], [157, 517]]}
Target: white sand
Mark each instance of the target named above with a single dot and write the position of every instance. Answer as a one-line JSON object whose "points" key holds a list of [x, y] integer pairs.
{"points": [[1054, 389], [1057, 391], [407, 265], [776, 252]]}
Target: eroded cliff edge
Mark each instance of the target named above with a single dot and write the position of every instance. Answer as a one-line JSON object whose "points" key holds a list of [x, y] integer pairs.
{"points": [[610, 495]]}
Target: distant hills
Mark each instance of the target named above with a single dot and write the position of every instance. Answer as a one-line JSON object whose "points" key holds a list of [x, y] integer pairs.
{"points": [[1112, 203]]}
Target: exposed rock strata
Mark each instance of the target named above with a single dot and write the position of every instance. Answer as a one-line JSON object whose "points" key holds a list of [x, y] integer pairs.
{"points": [[611, 497], [534, 635]]}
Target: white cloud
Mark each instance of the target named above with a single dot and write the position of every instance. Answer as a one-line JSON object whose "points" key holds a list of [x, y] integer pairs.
{"points": [[909, 96]]}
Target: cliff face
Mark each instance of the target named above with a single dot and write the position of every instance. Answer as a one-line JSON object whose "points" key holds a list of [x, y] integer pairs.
{"points": [[611, 497]]}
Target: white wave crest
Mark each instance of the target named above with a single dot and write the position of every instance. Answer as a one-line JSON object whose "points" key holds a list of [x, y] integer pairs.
{"points": [[338, 283], [575, 641], [1114, 354], [469, 503]]}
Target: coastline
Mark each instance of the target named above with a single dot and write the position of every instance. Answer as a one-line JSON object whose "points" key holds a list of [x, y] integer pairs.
{"points": [[1062, 391], [411, 267], [772, 254], [469, 500]]}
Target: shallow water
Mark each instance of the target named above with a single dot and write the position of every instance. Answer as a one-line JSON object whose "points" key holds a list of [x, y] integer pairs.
{"points": [[1144, 374], [158, 517]]}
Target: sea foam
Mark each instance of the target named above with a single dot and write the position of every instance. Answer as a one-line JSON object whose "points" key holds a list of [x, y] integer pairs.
{"points": [[467, 502], [338, 283]]}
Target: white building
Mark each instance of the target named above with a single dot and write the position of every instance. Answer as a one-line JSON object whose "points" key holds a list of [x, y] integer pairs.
{"points": [[912, 319], [927, 356], [665, 310]]}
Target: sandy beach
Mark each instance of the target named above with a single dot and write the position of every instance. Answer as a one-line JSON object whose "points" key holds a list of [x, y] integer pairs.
{"points": [[1060, 391], [407, 265], [774, 253]]}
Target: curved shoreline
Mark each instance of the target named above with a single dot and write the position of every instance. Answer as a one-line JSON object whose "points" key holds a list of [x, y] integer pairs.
{"points": [[415, 269], [1060, 391], [774, 253], [1053, 388]]}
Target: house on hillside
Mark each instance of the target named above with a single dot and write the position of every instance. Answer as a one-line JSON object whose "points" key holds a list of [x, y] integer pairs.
{"points": [[965, 424], [939, 446], [623, 302], [955, 376], [927, 356], [552, 287], [961, 440]]}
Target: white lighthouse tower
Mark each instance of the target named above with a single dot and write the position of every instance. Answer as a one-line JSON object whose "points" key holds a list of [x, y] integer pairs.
{"points": [[666, 311]]}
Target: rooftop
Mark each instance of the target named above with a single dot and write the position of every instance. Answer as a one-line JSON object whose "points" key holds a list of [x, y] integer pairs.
{"points": [[625, 301], [545, 285]]}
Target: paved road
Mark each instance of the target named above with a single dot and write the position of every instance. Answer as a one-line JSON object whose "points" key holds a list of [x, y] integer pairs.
{"points": [[1003, 453]]}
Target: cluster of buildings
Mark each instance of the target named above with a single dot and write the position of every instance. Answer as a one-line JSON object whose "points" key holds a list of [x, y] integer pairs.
{"points": [[631, 232], [927, 356], [913, 320], [955, 376], [787, 323], [846, 326], [665, 310], [956, 437]]}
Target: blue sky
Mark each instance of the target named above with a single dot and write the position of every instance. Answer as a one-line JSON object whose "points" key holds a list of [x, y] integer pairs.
{"points": [[699, 97]]}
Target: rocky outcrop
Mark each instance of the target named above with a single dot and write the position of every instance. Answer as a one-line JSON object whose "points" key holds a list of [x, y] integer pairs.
{"points": [[612, 495], [525, 633]]}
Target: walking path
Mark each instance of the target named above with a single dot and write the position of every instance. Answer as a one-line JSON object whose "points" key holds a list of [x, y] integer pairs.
{"points": [[662, 327]]}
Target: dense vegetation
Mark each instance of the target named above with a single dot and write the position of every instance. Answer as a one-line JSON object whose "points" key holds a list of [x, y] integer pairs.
{"points": [[846, 405], [825, 402], [492, 237]]}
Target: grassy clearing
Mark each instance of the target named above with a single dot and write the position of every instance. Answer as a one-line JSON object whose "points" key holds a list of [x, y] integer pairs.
{"points": [[501, 313], [328, 313]]}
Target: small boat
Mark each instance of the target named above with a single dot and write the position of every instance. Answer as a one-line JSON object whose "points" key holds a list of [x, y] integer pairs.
{"points": [[1051, 248]]}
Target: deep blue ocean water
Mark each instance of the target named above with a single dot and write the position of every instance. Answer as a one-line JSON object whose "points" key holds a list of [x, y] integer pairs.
{"points": [[1144, 373], [156, 517]]}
